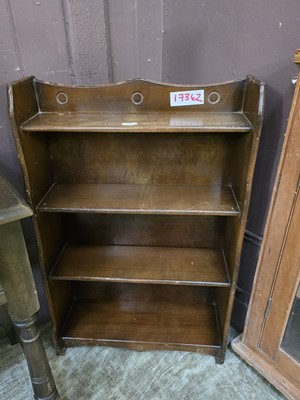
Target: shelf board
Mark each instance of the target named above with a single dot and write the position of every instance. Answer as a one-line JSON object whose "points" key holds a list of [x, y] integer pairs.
{"points": [[141, 264], [84, 121], [140, 199], [129, 320]]}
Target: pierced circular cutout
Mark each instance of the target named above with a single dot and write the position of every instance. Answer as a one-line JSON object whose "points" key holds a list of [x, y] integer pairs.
{"points": [[137, 98], [214, 97], [61, 98]]}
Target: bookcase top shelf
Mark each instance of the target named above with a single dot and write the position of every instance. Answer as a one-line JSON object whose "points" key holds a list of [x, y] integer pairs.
{"points": [[138, 122], [137, 105]]}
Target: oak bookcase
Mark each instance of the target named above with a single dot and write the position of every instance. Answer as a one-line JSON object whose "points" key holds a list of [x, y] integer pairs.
{"points": [[139, 206]]}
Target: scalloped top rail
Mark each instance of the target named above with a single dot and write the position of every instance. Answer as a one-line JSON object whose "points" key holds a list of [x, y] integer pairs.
{"points": [[139, 106]]}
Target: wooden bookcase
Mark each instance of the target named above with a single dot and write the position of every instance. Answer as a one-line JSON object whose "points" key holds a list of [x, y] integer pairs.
{"points": [[139, 207]]}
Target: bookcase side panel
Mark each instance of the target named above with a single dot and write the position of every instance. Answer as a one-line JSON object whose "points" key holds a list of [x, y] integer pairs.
{"points": [[34, 156], [245, 153]]}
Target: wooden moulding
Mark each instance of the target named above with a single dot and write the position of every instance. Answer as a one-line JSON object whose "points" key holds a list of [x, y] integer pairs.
{"points": [[261, 363]]}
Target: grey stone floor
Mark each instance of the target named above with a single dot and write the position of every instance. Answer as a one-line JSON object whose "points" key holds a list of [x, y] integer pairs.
{"points": [[95, 373]]}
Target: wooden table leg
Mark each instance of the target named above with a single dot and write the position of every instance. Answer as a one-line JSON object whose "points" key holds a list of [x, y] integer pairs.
{"points": [[39, 369], [23, 305]]}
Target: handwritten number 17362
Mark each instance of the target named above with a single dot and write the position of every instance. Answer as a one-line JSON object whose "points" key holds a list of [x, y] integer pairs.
{"points": [[187, 98]]}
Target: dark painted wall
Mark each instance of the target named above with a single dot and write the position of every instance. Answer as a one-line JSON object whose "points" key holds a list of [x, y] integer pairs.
{"points": [[183, 41]]}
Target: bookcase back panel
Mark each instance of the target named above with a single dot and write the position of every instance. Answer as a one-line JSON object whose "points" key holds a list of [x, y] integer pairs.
{"points": [[118, 98], [146, 230], [142, 292], [143, 158]]}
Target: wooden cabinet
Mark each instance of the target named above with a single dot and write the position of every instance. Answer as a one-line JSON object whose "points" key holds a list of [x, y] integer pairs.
{"points": [[271, 339], [140, 193]]}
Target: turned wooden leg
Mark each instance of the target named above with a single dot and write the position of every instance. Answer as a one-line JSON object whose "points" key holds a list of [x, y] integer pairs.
{"points": [[23, 305], [40, 373]]}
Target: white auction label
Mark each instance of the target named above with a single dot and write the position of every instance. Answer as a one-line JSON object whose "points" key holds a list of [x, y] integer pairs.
{"points": [[187, 98]]}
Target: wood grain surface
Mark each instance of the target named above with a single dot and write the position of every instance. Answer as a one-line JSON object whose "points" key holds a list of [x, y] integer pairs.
{"points": [[109, 177], [173, 265], [141, 199], [136, 122], [156, 317]]}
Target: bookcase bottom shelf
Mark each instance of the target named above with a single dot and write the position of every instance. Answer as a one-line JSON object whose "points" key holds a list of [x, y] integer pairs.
{"points": [[144, 318]]}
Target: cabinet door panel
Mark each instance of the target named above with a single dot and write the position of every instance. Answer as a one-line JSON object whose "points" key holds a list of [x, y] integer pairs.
{"points": [[283, 294], [283, 201]]}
